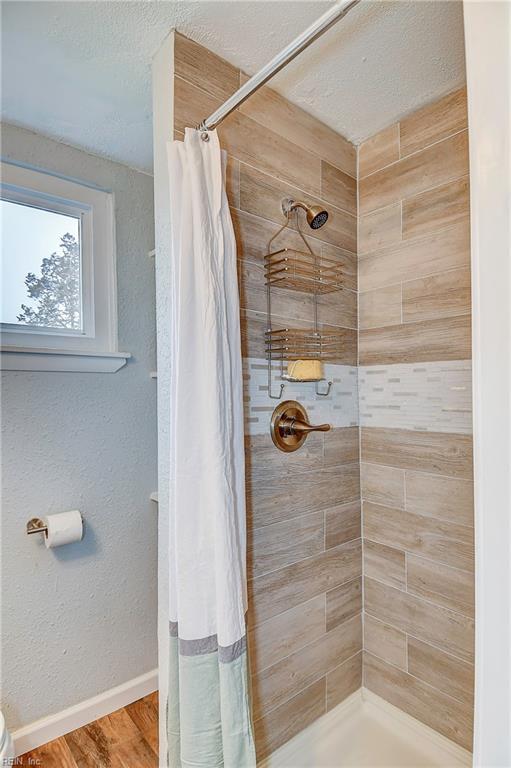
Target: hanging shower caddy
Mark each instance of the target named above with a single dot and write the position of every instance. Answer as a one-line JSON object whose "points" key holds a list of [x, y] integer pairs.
{"points": [[306, 272]]}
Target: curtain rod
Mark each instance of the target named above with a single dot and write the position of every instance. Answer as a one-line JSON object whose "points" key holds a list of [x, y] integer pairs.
{"points": [[299, 44]]}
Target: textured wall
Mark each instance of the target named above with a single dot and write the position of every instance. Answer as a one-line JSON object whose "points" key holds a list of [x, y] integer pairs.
{"points": [[81, 619], [304, 548], [415, 407]]}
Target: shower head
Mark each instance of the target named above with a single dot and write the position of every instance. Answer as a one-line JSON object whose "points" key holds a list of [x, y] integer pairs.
{"points": [[316, 215]]}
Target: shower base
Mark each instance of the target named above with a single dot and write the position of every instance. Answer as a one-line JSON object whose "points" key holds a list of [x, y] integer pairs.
{"points": [[366, 731]]}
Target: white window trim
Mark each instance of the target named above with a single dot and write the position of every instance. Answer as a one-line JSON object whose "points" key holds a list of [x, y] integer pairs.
{"points": [[94, 349]]}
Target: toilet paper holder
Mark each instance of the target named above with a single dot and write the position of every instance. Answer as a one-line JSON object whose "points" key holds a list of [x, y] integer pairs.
{"points": [[36, 525], [58, 528]]}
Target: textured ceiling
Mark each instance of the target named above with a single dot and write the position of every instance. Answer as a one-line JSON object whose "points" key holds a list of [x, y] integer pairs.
{"points": [[81, 71]]}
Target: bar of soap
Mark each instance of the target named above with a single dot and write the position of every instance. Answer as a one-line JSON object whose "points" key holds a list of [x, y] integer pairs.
{"points": [[305, 370]]}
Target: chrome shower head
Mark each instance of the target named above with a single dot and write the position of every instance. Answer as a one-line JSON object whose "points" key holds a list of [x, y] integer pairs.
{"points": [[316, 215]]}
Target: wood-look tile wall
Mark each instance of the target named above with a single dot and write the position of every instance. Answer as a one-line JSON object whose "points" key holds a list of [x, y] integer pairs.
{"points": [[414, 269], [304, 510], [304, 515], [414, 280]]}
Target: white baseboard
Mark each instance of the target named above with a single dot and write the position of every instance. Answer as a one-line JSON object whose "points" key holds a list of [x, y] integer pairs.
{"points": [[53, 726]]}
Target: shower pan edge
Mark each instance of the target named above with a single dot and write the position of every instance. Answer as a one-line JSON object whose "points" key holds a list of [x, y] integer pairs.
{"points": [[366, 731]]}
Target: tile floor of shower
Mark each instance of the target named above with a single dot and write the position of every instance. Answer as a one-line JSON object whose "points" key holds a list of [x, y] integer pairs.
{"points": [[362, 732]]}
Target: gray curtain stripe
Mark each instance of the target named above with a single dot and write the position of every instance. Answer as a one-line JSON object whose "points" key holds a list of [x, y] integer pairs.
{"points": [[226, 653], [198, 647], [232, 652]]}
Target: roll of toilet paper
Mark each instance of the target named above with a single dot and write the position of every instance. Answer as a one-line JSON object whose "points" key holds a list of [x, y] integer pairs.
{"points": [[63, 528]]}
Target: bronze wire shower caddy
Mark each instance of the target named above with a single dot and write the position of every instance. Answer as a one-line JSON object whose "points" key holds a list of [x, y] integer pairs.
{"points": [[306, 272]]}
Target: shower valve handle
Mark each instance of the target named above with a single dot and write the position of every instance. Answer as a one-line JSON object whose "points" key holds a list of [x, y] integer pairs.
{"points": [[290, 426], [299, 426]]}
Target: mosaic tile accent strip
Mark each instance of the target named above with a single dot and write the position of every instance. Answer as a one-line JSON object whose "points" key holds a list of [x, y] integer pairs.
{"points": [[432, 397], [340, 408]]}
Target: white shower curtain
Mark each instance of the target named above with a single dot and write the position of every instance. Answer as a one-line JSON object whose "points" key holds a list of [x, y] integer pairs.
{"points": [[209, 721]]}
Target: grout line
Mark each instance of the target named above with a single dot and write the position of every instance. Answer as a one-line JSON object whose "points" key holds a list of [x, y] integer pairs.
{"points": [[302, 606], [411, 242], [311, 557], [420, 471], [362, 553], [419, 639], [345, 583], [379, 210], [413, 322], [332, 669], [308, 645], [292, 519], [450, 567], [320, 677], [297, 187], [252, 549], [412, 280], [433, 143], [407, 198], [420, 680], [324, 675], [239, 186], [420, 598], [447, 183], [422, 556], [292, 696], [293, 607], [427, 190], [286, 610], [416, 152], [286, 317]]}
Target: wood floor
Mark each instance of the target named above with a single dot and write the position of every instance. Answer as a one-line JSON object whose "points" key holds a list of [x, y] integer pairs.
{"points": [[127, 738]]}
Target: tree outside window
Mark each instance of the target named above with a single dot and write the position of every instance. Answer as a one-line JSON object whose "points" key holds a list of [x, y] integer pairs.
{"points": [[56, 290]]}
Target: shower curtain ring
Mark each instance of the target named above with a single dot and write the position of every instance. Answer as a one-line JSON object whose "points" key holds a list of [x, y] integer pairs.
{"points": [[204, 132]]}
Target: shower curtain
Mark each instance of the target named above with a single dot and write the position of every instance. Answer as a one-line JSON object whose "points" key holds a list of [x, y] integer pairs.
{"points": [[208, 718]]}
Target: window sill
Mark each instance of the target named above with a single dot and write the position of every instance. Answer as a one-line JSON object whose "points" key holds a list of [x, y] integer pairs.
{"points": [[63, 360]]}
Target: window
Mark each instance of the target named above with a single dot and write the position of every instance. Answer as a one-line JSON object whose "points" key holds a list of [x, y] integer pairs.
{"points": [[58, 290], [42, 268]]}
